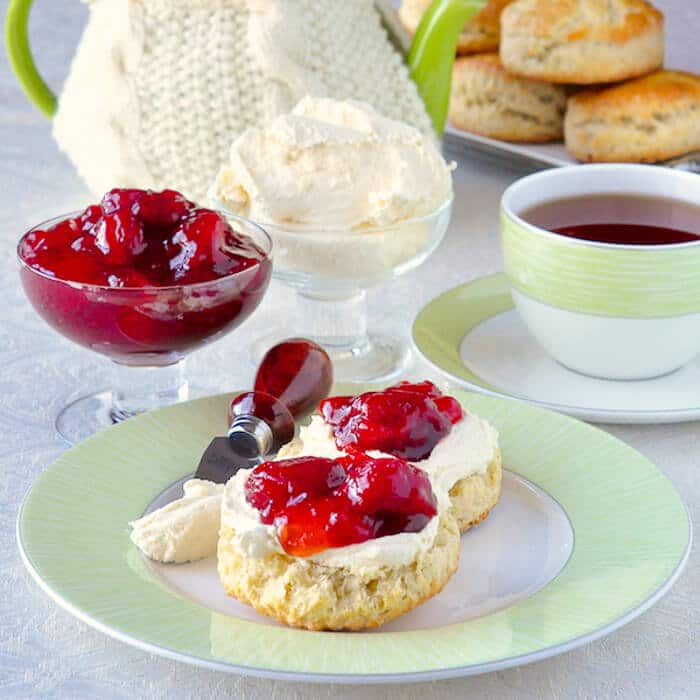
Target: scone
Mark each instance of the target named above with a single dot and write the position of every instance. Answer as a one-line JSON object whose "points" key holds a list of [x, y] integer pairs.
{"points": [[282, 549], [481, 33], [473, 497], [581, 41], [461, 456], [488, 100], [645, 120]]}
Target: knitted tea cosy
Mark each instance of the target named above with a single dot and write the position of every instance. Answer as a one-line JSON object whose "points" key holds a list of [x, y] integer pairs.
{"points": [[159, 89]]}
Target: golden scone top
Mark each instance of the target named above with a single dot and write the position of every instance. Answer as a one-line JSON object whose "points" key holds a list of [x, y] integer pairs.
{"points": [[646, 120], [577, 20], [646, 96], [481, 33], [581, 41]]}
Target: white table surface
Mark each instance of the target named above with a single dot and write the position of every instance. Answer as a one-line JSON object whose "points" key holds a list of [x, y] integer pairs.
{"points": [[44, 652]]}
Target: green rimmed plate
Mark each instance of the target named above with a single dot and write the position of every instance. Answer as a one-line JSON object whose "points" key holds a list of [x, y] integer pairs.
{"points": [[603, 535], [473, 335]]}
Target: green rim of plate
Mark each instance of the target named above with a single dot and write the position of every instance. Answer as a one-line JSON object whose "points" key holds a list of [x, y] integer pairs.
{"points": [[441, 326], [632, 536]]}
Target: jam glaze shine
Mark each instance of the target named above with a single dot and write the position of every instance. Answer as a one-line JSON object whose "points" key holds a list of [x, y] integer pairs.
{"points": [[140, 238], [317, 503], [406, 420]]}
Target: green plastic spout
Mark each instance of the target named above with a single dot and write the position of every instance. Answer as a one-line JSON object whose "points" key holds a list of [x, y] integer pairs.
{"points": [[432, 54]]}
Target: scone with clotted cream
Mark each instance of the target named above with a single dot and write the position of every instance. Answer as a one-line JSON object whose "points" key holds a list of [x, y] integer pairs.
{"points": [[456, 448], [335, 544]]}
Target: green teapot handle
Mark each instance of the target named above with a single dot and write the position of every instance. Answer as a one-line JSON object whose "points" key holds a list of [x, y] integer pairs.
{"points": [[432, 53], [21, 60]]}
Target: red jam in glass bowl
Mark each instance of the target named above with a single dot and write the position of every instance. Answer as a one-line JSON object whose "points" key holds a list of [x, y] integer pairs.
{"points": [[317, 503], [406, 420], [144, 277]]}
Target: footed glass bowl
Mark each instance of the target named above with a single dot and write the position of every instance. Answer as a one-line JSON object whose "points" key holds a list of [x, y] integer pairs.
{"points": [[331, 269], [147, 331]]}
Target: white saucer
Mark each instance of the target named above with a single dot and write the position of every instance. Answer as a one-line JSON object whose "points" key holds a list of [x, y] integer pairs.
{"points": [[473, 335]]}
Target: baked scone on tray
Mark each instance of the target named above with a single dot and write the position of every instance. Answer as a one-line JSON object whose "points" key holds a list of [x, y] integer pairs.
{"points": [[646, 120], [457, 449], [481, 33], [488, 100], [581, 41], [335, 544]]}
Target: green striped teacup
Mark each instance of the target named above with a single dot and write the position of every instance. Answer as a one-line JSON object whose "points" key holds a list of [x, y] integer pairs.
{"points": [[606, 310]]}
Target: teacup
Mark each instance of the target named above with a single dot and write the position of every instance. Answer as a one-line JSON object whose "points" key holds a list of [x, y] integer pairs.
{"points": [[609, 310]]}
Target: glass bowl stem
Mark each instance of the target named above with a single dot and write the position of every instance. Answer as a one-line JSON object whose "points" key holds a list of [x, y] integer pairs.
{"points": [[138, 389]]}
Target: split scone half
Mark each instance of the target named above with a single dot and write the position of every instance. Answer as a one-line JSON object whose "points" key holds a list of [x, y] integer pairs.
{"points": [[473, 497], [465, 464], [352, 587]]}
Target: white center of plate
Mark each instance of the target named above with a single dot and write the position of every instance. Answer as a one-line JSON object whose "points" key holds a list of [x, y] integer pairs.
{"points": [[502, 353], [524, 544]]}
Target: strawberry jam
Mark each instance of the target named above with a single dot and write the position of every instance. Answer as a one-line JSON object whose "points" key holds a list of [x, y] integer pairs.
{"points": [[406, 420], [138, 238], [317, 503], [143, 273]]}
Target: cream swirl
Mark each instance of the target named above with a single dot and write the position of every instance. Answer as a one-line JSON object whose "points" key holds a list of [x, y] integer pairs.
{"points": [[333, 164]]}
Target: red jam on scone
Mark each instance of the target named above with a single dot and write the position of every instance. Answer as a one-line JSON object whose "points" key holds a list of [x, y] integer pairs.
{"points": [[406, 420], [317, 503]]}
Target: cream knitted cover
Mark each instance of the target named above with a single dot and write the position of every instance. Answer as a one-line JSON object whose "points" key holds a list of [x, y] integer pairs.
{"points": [[159, 89]]}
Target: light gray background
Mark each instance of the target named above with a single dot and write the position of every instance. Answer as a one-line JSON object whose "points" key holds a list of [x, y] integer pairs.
{"points": [[44, 652]]}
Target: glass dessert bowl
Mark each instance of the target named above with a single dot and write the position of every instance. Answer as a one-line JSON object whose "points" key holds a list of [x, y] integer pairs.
{"points": [[124, 307], [351, 199], [331, 271]]}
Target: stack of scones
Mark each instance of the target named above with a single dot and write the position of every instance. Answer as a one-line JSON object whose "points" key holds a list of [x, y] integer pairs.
{"points": [[586, 71]]}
